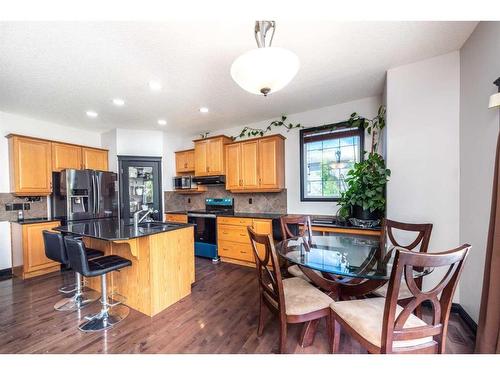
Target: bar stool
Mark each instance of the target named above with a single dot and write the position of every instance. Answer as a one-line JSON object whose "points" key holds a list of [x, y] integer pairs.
{"points": [[111, 313], [56, 251]]}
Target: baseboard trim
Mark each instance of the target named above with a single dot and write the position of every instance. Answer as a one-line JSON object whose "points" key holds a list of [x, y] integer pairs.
{"points": [[6, 273], [457, 308]]}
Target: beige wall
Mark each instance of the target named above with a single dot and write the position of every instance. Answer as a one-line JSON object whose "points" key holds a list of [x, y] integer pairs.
{"points": [[479, 67], [423, 149]]}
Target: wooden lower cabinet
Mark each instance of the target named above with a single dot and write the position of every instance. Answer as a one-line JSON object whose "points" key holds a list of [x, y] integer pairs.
{"points": [[28, 250], [233, 242], [177, 218]]}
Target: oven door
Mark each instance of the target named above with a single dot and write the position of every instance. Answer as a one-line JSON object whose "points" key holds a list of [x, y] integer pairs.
{"points": [[205, 235]]}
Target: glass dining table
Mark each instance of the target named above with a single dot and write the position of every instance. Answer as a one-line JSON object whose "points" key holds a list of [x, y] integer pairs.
{"points": [[344, 265]]}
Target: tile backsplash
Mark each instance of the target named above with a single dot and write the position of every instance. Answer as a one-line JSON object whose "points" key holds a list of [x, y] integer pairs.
{"points": [[261, 202], [37, 209]]}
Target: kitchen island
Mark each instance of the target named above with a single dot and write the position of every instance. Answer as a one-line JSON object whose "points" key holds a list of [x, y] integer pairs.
{"points": [[162, 256]]}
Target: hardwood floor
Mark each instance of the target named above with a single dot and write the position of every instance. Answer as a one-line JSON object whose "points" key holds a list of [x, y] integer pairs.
{"points": [[220, 316]]}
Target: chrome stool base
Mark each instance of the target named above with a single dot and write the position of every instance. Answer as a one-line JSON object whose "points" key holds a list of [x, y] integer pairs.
{"points": [[105, 319], [110, 314], [77, 302]]}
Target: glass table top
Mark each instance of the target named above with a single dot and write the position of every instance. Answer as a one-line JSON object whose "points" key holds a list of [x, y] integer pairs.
{"points": [[343, 255]]}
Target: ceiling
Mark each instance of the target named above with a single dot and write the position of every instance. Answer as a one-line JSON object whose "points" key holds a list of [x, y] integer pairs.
{"points": [[56, 71]]}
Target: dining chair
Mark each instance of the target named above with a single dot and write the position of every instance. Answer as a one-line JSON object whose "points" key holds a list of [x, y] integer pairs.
{"points": [[419, 244], [382, 326], [294, 300], [296, 226]]}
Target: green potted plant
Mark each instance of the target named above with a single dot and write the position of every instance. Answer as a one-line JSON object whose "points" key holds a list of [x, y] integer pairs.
{"points": [[364, 197]]}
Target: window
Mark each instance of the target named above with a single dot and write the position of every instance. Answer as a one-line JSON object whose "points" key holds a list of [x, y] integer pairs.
{"points": [[326, 156]]}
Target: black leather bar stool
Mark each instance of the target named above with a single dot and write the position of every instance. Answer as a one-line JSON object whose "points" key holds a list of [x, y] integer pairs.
{"points": [[111, 313], [55, 250]]}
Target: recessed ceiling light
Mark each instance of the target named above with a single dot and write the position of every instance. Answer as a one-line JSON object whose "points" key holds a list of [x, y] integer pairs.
{"points": [[155, 85], [203, 109], [118, 102], [162, 122], [92, 114]]}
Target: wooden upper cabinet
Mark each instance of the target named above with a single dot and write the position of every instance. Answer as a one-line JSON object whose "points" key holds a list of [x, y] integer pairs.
{"points": [[233, 166], [209, 156], [184, 161], [250, 164], [256, 165], [271, 163], [200, 158], [30, 166], [93, 158], [66, 156]]}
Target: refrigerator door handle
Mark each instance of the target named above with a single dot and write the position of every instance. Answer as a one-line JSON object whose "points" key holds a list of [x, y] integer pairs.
{"points": [[94, 193], [98, 192]]}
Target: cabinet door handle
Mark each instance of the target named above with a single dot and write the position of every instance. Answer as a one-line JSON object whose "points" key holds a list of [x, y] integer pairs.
{"points": [[242, 234], [208, 169]]}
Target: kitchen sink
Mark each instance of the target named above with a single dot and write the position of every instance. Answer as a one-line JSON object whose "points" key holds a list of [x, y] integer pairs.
{"points": [[153, 225]]}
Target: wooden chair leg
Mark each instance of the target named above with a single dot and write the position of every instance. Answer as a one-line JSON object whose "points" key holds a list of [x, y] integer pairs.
{"points": [[283, 328], [335, 336], [329, 328], [261, 317]]}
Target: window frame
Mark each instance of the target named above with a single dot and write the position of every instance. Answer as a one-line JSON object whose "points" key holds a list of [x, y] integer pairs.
{"points": [[338, 125]]}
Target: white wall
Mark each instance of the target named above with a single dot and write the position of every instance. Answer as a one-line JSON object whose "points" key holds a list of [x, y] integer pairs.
{"points": [[11, 123], [171, 143], [423, 147], [108, 141], [479, 67], [367, 107]]}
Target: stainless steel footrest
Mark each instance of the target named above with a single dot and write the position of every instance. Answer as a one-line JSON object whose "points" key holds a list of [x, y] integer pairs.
{"points": [[77, 302], [67, 289], [118, 298]]}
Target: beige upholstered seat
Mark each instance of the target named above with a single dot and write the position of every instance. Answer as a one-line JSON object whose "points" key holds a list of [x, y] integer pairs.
{"points": [[366, 317], [404, 292], [296, 271], [301, 297]]}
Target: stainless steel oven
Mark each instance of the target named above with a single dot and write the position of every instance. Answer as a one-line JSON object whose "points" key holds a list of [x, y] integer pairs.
{"points": [[184, 182]]}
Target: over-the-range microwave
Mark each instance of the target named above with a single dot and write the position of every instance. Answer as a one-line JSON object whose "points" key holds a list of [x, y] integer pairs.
{"points": [[184, 182]]}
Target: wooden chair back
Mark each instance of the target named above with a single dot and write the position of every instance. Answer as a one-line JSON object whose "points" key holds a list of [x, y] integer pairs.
{"points": [[423, 235], [440, 298], [303, 223], [268, 271]]}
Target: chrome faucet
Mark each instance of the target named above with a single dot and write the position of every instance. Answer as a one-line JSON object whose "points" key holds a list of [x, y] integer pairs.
{"points": [[138, 220]]}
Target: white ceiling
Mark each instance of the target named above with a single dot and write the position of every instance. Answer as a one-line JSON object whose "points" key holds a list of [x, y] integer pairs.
{"points": [[56, 71]]}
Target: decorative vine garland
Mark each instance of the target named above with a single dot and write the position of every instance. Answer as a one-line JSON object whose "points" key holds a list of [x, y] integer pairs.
{"points": [[251, 132], [354, 121]]}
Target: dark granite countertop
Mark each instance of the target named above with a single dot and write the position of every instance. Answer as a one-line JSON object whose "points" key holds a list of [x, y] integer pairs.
{"points": [[34, 220], [331, 222], [316, 220], [113, 229], [252, 215]]}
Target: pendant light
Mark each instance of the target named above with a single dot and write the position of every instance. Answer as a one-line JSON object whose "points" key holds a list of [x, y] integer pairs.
{"points": [[266, 69]]}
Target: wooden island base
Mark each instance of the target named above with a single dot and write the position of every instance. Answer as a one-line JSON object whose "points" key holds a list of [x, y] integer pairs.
{"points": [[162, 269]]}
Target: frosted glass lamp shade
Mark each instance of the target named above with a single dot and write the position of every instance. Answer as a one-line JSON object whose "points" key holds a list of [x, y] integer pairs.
{"points": [[494, 100], [265, 70]]}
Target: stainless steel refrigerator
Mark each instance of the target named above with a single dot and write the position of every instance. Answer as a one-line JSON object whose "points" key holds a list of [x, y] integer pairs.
{"points": [[84, 194]]}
